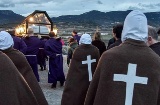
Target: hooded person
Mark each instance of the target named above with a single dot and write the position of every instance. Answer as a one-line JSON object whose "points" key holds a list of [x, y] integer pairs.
{"points": [[19, 60], [14, 89], [81, 69], [128, 74]]}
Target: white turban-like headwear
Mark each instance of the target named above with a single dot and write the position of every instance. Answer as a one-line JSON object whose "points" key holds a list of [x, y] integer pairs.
{"points": [[6, 40], [85, 39], [135, 27]]}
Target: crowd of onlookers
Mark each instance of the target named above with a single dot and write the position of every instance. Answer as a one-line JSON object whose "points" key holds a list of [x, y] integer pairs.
{"points": [[125, 72]]}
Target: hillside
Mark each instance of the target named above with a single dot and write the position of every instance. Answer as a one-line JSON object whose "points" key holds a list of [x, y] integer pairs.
{"points": [[106, 18], [92, 18], [8, 17]]}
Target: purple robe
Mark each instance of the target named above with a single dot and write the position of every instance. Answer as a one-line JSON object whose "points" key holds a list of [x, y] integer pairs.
{"points": [[76, 37], [33, 45], [52, 48], [42, 57], [32, 60], [19, 44]]}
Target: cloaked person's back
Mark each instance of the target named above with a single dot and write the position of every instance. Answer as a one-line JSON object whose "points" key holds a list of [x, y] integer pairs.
{"points": [[19, 60], [128, 74], [82, 67], [13, 89]]}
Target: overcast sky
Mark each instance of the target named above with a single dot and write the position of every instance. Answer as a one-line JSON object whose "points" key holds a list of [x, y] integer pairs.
{"points": [[75, 7]]}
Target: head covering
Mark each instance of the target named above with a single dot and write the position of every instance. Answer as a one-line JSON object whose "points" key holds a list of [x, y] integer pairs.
{"points": [[6, 40], [135, 27], [85, 39]]}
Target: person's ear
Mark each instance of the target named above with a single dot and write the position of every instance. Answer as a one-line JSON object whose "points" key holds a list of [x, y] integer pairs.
{"points": [[114, 35], [149, 38]]}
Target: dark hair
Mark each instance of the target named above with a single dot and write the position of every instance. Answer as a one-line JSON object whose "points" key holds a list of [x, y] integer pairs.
{"points": [[58, 39], [11, 32], [52, 34], [158, 32], [97, 36], [27, 37], [118, 30], [74, 31], [44, 37], [71, 40]]}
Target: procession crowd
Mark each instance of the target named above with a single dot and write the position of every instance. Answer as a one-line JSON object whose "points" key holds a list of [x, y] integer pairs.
{"points": [[125, 72]]}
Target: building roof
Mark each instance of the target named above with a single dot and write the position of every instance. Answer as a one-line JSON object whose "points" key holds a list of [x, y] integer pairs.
{"points": [[35, 13]]}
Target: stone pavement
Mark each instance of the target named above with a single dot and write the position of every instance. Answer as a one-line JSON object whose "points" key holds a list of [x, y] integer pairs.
{"points": [[53, 96]]}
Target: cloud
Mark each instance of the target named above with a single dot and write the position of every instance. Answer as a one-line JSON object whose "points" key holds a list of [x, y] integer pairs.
{"points": [[75, 7], [99, 2], [7, 5], [149, 6], [34, 1], [135, 8]]}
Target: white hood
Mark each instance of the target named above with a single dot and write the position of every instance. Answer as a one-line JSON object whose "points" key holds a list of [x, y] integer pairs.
{"points": [[85, 39], [6, 41], [135, 27]]}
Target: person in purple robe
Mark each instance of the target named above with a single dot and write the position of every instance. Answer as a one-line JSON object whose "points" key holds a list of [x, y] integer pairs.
{"points": [[33, 45], [19, 44], [42, 57], [53, 48], [76, 36]]}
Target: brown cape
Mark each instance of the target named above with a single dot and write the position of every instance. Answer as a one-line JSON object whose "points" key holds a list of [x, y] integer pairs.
{"points": [[24, 68], [77, 81], [104, 90], [13, 88]]}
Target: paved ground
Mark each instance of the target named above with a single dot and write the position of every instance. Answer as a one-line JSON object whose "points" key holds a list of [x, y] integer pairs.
{"points": [[53, 96]]}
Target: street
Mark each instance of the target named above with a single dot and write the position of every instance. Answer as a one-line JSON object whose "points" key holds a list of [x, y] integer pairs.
{"points": [[53, 96]]}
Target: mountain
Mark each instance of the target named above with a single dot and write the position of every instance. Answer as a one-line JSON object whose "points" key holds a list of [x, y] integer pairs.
{"points": [[9, 17], [153, 18], [106, 18], [88, 19]]}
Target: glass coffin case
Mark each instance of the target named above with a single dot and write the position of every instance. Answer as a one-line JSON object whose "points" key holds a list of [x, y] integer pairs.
{"points": [[39, 21]]}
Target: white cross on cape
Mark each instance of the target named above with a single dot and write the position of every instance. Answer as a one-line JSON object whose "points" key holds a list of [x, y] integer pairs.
{"points": [[89, 61], [130, 80]]}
